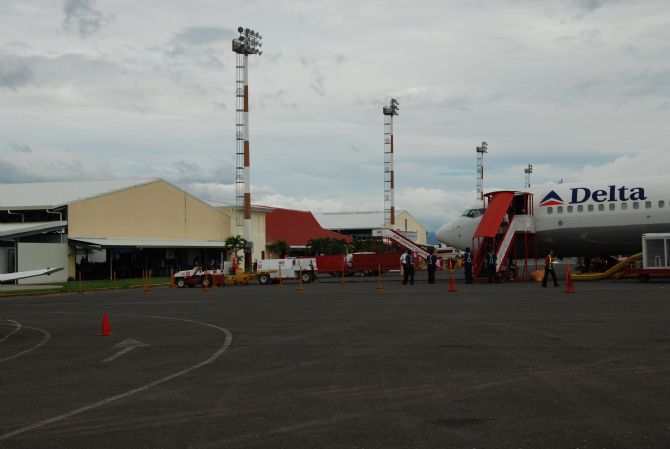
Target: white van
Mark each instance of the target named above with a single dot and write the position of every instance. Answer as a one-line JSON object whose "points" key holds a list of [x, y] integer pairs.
{"points": [[448, 252]]}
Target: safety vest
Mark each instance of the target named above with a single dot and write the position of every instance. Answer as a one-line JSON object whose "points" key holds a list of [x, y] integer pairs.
{"points": [[491, 258], [468, 257], [549, 262]]}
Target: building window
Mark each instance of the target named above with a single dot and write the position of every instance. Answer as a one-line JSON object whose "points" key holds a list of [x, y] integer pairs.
{"points": [[601, 207], [559, 209], [624, 206], [570, 209], [580, 208], [636, 205], [612, 206], [647, 204]]}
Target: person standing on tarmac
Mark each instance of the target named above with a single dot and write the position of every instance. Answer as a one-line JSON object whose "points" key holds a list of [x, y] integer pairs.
{"points": [[491, 260], [549, 269], [407, 262], [431, 264], [467, 265]]}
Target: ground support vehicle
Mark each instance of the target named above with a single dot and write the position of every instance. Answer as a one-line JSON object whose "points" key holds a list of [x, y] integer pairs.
{"points": [[273, 270], [206, 278], [655, 257]]}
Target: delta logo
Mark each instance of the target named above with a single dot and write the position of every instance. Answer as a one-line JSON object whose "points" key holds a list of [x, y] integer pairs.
{"points": [[580, 195], [552, 199]]}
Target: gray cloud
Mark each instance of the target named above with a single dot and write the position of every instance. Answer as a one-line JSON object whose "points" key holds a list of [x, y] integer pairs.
{"points": [[14, 73], [20, 148], [195, 172], [202, 35], [82, 16]]}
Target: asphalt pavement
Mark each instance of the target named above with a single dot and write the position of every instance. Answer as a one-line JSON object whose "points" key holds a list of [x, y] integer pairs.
{"points": [[339, 366]]}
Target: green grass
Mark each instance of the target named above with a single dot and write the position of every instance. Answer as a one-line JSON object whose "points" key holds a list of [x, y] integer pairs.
{"points": [[75, 286]]}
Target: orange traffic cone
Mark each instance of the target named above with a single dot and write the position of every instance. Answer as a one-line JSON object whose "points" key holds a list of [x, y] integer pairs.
{"points": [[105, 329], [569, 286], [452, 284]]}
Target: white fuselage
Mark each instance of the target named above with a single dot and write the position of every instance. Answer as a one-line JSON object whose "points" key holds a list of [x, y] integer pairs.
{"points": [[585, 218]]}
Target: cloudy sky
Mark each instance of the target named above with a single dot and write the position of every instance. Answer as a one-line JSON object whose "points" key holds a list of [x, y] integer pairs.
{"points": [[145, 88]]}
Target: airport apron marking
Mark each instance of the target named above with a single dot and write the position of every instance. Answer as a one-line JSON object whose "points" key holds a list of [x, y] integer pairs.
{"points": [[210, 359], [46, 338]]}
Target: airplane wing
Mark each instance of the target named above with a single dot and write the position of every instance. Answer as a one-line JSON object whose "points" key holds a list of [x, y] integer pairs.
{"points": [[27, 274]]}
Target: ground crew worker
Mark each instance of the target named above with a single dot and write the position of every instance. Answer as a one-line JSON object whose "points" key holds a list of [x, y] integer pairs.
{"points": [[407, 262], [549, 269], [491, 260], [431, 263], [467, 265]]}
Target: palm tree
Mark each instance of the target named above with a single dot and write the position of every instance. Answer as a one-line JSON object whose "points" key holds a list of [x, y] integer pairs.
{"points": [[235, 244]]}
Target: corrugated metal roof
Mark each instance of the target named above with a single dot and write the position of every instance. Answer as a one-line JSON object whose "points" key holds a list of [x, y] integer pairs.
{"points": [[48, 195], [11, 230], [149, 243], [352, 220]]}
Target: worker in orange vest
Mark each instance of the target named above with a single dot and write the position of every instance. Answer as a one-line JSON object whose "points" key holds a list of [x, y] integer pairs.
{"points": [[549, 269]]}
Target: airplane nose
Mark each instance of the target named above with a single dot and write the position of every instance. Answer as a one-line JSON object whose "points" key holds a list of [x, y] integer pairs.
{"points": [[445, 234]]}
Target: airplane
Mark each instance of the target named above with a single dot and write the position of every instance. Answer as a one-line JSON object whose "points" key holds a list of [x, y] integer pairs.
{"points": [[590, 218], [8, 277]]}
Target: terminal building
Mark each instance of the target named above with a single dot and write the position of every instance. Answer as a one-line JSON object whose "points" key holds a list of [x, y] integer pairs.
{"points": [[102, 229], [359, 225]]}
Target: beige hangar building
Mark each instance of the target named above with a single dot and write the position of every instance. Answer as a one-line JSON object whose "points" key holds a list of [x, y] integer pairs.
{"points": [[98, 228]]}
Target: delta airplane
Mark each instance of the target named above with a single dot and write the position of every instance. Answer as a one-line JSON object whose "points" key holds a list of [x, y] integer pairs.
{"points": [[594, 218]]}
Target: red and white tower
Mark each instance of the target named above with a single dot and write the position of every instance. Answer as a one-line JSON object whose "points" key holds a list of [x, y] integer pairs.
{"points": [[389, 181], [248, 43], [480, 171]]}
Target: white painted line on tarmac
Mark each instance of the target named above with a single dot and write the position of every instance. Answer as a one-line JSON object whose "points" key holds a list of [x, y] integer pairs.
{"points": [[46, 338], [126, 345], [210, 359], [17, 327]]}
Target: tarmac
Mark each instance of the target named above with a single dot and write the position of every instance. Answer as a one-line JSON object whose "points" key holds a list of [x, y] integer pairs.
{"points": [[339, 366]]}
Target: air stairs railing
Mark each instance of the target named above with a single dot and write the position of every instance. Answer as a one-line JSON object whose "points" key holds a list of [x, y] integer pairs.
{"points": [[519, 223], [403, 241]]}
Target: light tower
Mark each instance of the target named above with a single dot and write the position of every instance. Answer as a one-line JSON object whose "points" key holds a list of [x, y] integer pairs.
{"points": [[389, 206], [528, 171], [248, 43], [480, 170]]}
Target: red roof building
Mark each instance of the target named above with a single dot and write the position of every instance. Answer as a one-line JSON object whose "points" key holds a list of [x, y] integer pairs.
{"points": [[296, 227]]}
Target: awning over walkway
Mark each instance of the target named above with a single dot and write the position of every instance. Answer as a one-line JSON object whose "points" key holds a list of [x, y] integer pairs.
{"points": [[146, 243], [495, 211], [16, 230]]}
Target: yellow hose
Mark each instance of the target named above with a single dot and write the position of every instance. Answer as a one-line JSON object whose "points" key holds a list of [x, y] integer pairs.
{"points": [[609, 273]]}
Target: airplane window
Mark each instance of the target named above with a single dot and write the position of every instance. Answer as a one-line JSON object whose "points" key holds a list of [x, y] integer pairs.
{"points": [[647, 204], [601, 207], [661, 203], [612, 206], [580, 208], [570, 209], [590, 207], [636, 205], [559, 209], [624, 206], [550, 210]]}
